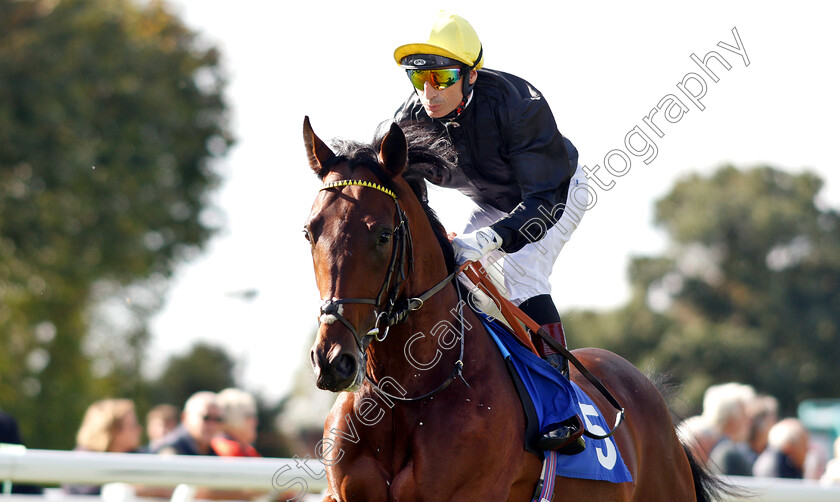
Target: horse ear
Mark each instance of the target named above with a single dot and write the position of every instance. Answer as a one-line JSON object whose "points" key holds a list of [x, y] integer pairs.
{"points": [[394, 151], [318, 152]]}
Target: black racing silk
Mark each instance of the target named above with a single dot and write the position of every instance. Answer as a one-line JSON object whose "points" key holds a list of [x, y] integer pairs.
{"points": [[510, 154]]}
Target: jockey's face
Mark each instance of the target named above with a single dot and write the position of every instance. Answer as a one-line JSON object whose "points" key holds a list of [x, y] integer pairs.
{"points": [[440, 102]]}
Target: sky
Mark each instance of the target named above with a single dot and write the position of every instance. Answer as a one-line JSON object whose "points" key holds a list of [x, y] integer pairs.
{"points": [[602, 67]]}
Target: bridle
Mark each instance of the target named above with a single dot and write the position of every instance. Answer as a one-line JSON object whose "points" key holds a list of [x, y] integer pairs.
{"points": [[385, 303], [388, 308]]}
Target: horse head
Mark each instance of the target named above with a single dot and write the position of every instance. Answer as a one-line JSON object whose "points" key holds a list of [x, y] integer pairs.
{"points": [[361, 251]]}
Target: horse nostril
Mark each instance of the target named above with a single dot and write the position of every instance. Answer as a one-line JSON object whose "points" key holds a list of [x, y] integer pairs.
{"points": [[312, 358], [345, 366]]}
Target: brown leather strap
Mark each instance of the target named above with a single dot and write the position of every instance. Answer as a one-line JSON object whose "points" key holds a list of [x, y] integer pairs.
{"points": [[476, 273]]}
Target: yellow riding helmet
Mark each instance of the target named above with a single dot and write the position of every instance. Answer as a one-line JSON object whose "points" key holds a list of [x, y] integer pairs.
{"points": [[451, 37]]}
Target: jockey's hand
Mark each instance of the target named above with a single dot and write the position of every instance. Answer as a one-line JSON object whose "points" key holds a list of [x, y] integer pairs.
{"points": [[474, 245]]}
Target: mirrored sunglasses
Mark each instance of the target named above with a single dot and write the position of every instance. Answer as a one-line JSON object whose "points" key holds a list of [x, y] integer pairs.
{"points": [[439, 79]]}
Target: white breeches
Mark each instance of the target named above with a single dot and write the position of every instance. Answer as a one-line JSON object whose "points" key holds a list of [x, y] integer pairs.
{"points": [[526, 271]]}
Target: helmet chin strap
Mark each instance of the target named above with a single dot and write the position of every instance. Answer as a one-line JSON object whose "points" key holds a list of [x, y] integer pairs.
{"points": [[460, 108]]}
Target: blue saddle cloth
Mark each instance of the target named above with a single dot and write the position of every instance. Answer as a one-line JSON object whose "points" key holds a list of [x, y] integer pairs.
{"points": [[556, 399]]}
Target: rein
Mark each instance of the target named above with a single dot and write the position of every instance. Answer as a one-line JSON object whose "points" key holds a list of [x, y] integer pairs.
{"points": [[395, 311]]}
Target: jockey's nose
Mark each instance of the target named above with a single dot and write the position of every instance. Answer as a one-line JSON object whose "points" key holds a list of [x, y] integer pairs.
{"points": [[429, 90]]}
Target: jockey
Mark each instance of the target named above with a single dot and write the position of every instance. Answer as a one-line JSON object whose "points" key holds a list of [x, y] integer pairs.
{"points": [[513, 163]]}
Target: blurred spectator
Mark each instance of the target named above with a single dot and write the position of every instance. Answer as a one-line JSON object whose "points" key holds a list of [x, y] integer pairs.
{"points": [[787, 445], [201, 421], [9, 429], [239, 410], [832, 468], [109, 425], [725, 408], [763, 412], [699, 436], [9, 434], [160, 421]]}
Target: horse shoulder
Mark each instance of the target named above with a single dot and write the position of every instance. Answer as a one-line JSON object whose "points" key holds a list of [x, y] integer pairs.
{"points": [[351, 452]]}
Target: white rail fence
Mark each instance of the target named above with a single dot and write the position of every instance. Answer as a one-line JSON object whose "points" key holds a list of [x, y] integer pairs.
{"points": [[20, 465], [783, 490]]}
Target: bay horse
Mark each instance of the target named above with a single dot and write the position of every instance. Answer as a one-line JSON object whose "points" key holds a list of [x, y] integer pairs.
{"points": [[427, 409]]}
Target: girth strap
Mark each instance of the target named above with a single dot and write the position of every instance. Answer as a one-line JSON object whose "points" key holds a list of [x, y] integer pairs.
{"points": [[545, 485]]}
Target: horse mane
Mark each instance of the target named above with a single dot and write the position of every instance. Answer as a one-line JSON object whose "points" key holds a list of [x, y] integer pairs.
{"points": [[428, 156]]}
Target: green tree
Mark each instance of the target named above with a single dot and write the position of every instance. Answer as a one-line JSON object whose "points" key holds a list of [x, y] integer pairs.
{"points": [[110, 112], [749, 289]]}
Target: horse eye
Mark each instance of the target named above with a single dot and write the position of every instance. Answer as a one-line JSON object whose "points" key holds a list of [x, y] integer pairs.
{"points": [[306, 235], [384, 237]]}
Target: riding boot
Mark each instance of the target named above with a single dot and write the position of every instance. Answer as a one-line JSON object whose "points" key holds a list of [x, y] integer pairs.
{"points": [[567, 438], [542, 310], [555, 330]]}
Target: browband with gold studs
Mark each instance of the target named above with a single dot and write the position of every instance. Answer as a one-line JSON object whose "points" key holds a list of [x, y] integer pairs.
{"points": [[361, 183]]}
